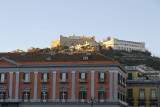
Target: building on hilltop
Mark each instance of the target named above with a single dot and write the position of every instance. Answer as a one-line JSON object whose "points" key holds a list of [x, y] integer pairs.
{"points": [[17, 51], [117, 44], [61, 80], [74, 41], [88, 46]]}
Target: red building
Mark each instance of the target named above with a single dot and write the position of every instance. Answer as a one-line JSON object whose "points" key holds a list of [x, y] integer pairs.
{"points": [[61, 79]]}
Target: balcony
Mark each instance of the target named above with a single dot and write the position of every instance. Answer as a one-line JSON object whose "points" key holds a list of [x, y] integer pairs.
{"points": [[44, 81], [129, 99], [82, 100], [3, 82], [141, 98], [63, 80], [153, 98], [82, 80], [102, 81], [2, 100], [26, 81]]}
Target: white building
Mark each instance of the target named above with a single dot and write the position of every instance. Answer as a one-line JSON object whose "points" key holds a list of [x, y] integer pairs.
{"points": [[124, 45]]}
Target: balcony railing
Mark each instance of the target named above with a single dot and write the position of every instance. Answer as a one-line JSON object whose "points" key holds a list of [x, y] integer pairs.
{"points": [[26, 81], [153, 98], [45, 81], [3, 82], [82, 80], [2, 100], [102, 80], [63, 81], [129, 99], [141, 98], [82, 100]]}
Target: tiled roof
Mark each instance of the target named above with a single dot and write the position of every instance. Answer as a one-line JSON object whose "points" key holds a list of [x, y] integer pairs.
{"points": [[54, 57]]}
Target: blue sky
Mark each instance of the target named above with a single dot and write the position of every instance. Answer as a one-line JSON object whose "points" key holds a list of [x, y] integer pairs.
{"points": [[35, 23]]}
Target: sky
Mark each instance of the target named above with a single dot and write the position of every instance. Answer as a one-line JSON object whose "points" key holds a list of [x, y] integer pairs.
{"points": [[35, 23]]}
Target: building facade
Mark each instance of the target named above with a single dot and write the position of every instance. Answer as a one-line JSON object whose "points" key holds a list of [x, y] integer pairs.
{"points": [[61, 80], [117, 44], [141, 90], [73, 41]]}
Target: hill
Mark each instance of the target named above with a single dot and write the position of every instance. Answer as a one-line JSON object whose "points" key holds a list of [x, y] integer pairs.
{"points": [[133, 58]]}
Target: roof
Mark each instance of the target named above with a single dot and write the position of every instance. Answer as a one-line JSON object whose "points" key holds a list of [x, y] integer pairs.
{"points": [[56, 57]]}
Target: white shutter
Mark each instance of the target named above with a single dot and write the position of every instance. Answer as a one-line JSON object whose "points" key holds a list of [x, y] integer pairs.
{"points": [[63, 76]]}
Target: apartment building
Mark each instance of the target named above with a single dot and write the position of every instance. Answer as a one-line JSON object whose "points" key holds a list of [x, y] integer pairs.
{"points": [[141, 90], [61, 80]]}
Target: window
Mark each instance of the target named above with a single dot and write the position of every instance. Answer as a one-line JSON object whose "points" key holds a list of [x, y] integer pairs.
{"points": [[129, 76], [63, 95], [124, 81], [82, 95], [118, 78], [44, 96], [26, 95], [45, 77], [85, 58], [118, 95], [101, 95], [2, 78], [63, 77], [82, 77], [129, 93], [141, 93], [2, 95], [153, 93], [26, 77], [101, 77]]}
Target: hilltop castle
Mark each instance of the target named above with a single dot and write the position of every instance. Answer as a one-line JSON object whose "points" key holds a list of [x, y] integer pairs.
{"points": [[74, 41]]}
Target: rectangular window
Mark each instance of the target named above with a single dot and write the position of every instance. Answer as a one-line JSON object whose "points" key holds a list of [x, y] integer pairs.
{"points": [[101, 75], [2, 78], [142, 93], [2, 95], [26, 95], [129, 76], [45, 77], [82, 95], [83, 75], [64, 76], [129, 93], [26, 77], [153, 93]]}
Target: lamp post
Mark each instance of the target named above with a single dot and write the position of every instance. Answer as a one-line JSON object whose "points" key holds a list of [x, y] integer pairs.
{"points": [[91, 101]]}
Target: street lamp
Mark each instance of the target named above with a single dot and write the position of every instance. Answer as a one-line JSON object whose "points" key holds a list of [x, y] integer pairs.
{"points": [[91, 101]]}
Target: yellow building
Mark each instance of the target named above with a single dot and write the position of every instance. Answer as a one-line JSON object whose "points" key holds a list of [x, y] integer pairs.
{"points": [[141, 91]]}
